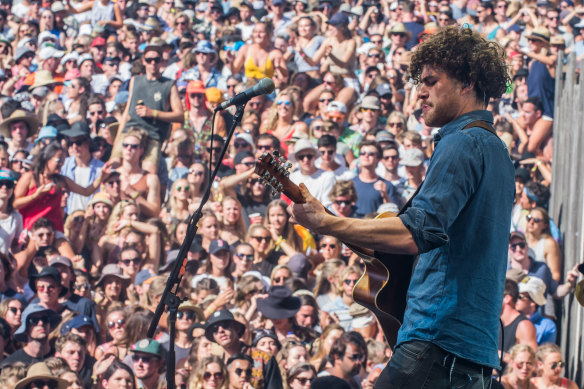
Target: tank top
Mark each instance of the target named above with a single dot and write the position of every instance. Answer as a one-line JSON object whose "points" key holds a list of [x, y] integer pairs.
{"points": [[339, 52], [542, 85], [101, 12], [539, 250], [47, 206], [254, 71], [156, 95], [509, 332]]}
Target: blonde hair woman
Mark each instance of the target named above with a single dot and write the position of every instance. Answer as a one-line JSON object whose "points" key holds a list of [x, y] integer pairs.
{"points": [[521, 368], [210, 373], [280, 121], [328, 273], [232, 224], [550, 366]]}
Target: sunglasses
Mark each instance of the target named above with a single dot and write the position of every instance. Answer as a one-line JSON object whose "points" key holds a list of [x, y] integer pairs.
{"points": [[329, 245], [376, 42], [369, 110], [36, 320], [44, 383], [392, 157], [514, 246], [247, 257], [82, 286], [196, 173], [342, 203], [280, 279], [189, 315], [262, 238], [265, 147], [7, 183], [349, 282], [397, 125], [197, 95], [144, 358], [113, 182], [285, 102], [323, 100], [327, 152], [14, 310], [303, 380], [559, 364], [534, 219], [374, 55], [135, 261], [239, 370], [118, 323], [96, 113], [523, 297], [48, 288], [217, 376], [241, 144], [183, 188], [368, 153], [77, 142], [132, 146], [304, 156], [214, 149], [152, 60]]}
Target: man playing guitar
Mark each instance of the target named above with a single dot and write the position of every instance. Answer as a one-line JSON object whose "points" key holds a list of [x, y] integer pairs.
{"points": [[458, 222]]}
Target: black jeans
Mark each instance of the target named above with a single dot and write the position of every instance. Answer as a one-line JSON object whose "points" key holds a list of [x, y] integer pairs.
{"points": [[420, 365]]}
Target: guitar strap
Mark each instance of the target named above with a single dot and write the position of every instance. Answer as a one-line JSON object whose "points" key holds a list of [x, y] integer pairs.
{"points": [[477, 123]]}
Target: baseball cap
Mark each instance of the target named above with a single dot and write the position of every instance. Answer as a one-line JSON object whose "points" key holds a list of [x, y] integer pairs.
{"points": [[148, 346], [535, 287], [336, 106], [370, 102], [50, 52], [338, 19], [218, 245]]}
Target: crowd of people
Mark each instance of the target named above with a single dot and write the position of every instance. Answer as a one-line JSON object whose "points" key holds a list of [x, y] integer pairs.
{"points": [[108, 140]]}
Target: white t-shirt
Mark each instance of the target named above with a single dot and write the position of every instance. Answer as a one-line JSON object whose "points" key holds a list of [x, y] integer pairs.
{"points": [[81, 179], [319, 183], [10, 229]]}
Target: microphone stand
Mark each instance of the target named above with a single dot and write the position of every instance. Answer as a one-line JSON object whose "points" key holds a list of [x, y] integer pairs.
{"points": [[169, 297]]}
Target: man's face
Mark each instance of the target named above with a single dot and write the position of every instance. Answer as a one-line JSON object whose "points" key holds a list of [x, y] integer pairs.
{"points": [[86, 68], [18, 130], [239, 373], [482, 13], [243, 258], [327, 153], [246, 164], [224, 334], [352, 360], [552, 20], [518, 249], [530, 113], [390, 159], [525, 304], [146, 365], [38, 327], [78, 146], [306, 159], [525, 202], [113, 186], [43, 236], [368, 156], [47, 290], [152, 62], [441, 97], [74, 354], [213, 150], [132, 150], [66, 274]]}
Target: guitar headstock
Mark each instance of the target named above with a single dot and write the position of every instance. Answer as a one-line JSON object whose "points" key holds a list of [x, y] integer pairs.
{"points": [[274, 171]]}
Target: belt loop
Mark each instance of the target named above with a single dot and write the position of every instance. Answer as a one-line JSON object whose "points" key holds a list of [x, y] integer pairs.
{"points": [[452, 368]]}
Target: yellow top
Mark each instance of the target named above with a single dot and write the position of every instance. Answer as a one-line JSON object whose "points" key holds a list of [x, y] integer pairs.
{"points": [[254, 71]]}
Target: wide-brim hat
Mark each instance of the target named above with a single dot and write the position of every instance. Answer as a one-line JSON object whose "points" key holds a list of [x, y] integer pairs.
{"points": [[400, 28], [19, 115], [540, 34], [219, 317], [113, 270], [44, 78], [101, 197], [40, 371], [280, 304], [35, 310], [48, 271], [189, 306]]}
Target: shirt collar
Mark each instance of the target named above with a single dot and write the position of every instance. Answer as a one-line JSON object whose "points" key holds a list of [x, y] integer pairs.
{"points": [[460, 122]]}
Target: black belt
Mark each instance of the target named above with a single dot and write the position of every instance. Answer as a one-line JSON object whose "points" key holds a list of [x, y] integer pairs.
{"points": [[451, 361]]}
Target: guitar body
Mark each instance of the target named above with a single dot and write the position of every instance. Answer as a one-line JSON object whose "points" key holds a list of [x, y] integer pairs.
{"points": [[384, 285]]}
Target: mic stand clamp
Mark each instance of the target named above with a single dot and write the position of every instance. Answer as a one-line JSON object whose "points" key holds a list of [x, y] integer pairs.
{"points": [[168, 298]]}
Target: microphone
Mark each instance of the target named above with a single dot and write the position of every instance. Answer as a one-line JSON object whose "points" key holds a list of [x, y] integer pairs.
{"points": [[264, 87]]}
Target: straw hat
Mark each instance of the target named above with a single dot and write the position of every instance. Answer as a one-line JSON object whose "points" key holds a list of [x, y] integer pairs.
{"points": [[540, 34], [19, 116], [400, 28], [44, 78], [40, 371]]}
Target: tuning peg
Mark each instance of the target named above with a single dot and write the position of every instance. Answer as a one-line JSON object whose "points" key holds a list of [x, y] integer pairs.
{"points": [[288, 165], [276, 153]]}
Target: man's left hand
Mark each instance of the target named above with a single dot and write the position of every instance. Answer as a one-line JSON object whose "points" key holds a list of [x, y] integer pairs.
{"points": [[310, 214]]}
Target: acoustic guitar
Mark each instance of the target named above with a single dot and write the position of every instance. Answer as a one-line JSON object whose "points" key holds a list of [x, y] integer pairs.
{"points": [[384, 284]]}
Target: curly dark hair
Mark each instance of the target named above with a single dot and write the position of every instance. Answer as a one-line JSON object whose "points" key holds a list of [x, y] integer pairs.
{"points": [[467, 57]]}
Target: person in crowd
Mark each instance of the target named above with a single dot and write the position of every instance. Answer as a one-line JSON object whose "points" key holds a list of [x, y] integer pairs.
{"points": [[521, 367], [347, 356], [539, 239], [531, 297], [239, 368], [549, 368], [517, 328], [148, 362]]}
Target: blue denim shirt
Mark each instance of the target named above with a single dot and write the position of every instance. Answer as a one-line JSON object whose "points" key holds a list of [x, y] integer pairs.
{"points": [[460, 222], [68, 170]]}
